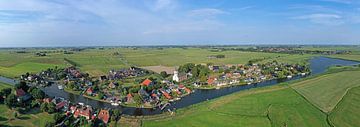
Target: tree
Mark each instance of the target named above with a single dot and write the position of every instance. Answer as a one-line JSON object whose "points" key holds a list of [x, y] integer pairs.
{"points": [[6, 91], [50, 124], [100, 95], [22, 85], [116, 114], [51, 108], [163, 74], [11, 101], [37, 93], [137, 99], [44, 107], [15, 114], [58, 117]]}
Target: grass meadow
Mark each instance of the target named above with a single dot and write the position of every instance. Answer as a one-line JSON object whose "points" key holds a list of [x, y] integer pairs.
{"points": [[347, 113], [98, 62], [303, 103], [327, 90]]}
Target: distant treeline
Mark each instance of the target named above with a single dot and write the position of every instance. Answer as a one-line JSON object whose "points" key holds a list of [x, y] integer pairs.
{"points": [[281, 49], [72, 62]]}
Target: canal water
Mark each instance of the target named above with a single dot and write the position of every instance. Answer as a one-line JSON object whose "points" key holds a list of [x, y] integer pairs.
{"points": [[318, 65]]}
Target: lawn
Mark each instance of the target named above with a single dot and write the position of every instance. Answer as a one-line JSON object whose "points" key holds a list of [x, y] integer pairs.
{"points": [[178, 56], [261, 107], [327, 90], [36, 119], [355, 57], [347, 113], [3, 86]]}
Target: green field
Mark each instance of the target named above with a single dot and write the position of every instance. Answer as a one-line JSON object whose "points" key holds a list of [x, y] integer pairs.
{"points": [[347, 113], [35, 119], [261, 107], [298, 104], [326, 91], [31, 119], [3, 86], [98, 62]]}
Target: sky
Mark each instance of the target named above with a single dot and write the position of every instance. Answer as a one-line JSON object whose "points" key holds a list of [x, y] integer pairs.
{"points": [[39, 23]]}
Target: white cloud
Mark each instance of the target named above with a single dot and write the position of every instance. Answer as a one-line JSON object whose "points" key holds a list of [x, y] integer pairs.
{"points": [[340, 1], [325, 19], [206, 12], [164, 4]]}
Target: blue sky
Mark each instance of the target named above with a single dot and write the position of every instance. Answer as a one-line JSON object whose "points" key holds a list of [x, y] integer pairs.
{"points": [[177, 22]]}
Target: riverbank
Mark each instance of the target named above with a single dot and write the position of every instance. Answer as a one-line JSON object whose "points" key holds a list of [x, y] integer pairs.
{"points": [[266, 103], [319, 65]]}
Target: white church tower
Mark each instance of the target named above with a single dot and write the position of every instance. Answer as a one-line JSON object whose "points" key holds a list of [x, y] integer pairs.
{"points": [[176, 76]]}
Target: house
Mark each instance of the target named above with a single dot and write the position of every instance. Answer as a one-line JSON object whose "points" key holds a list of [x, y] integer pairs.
{"points": [[61, 105], [112, 85], [104, 116], [73, 109], [211, 81], [214, 68], [89, 91], [47, 100], [84, 112], [20, 92], [22, 95], [147, 82], [166, 94], [187, 90], [103, 78], [129, 98], [143, 93]]}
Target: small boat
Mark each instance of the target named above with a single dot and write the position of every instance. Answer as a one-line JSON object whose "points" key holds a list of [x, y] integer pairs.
{"points": [[303, 74], [177, 98], [115, 104], [248, 83], [60, 87], [289, 76], [82, 104]]}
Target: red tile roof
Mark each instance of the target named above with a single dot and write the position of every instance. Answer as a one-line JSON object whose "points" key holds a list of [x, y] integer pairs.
{"points": [[104, 115], [60, 105], [47, 100], [167, 95], [89, 90], [85, 112], [20, 92], [146, 82], [187, 90], [210, 80]]}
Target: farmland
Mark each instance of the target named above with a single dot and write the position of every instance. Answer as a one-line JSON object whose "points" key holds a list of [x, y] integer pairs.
{"points": [[346, 113], [99, 61], [34, 119], [30, 119], [326, 91], [270, 106]]}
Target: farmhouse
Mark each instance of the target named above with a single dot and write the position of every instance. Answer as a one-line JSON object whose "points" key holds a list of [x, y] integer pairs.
{"points": [[104, 116], [84, 112], [147, 82]]}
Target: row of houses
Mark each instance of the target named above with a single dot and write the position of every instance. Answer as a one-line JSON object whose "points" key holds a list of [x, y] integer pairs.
{"points": [[79, 110], [125, 73]]}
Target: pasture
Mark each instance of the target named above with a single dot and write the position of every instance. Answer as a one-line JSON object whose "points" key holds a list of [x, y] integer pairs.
{"points": [[260, 107], [98, 62], [34, 119], [347, 113], [327, 90]]}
